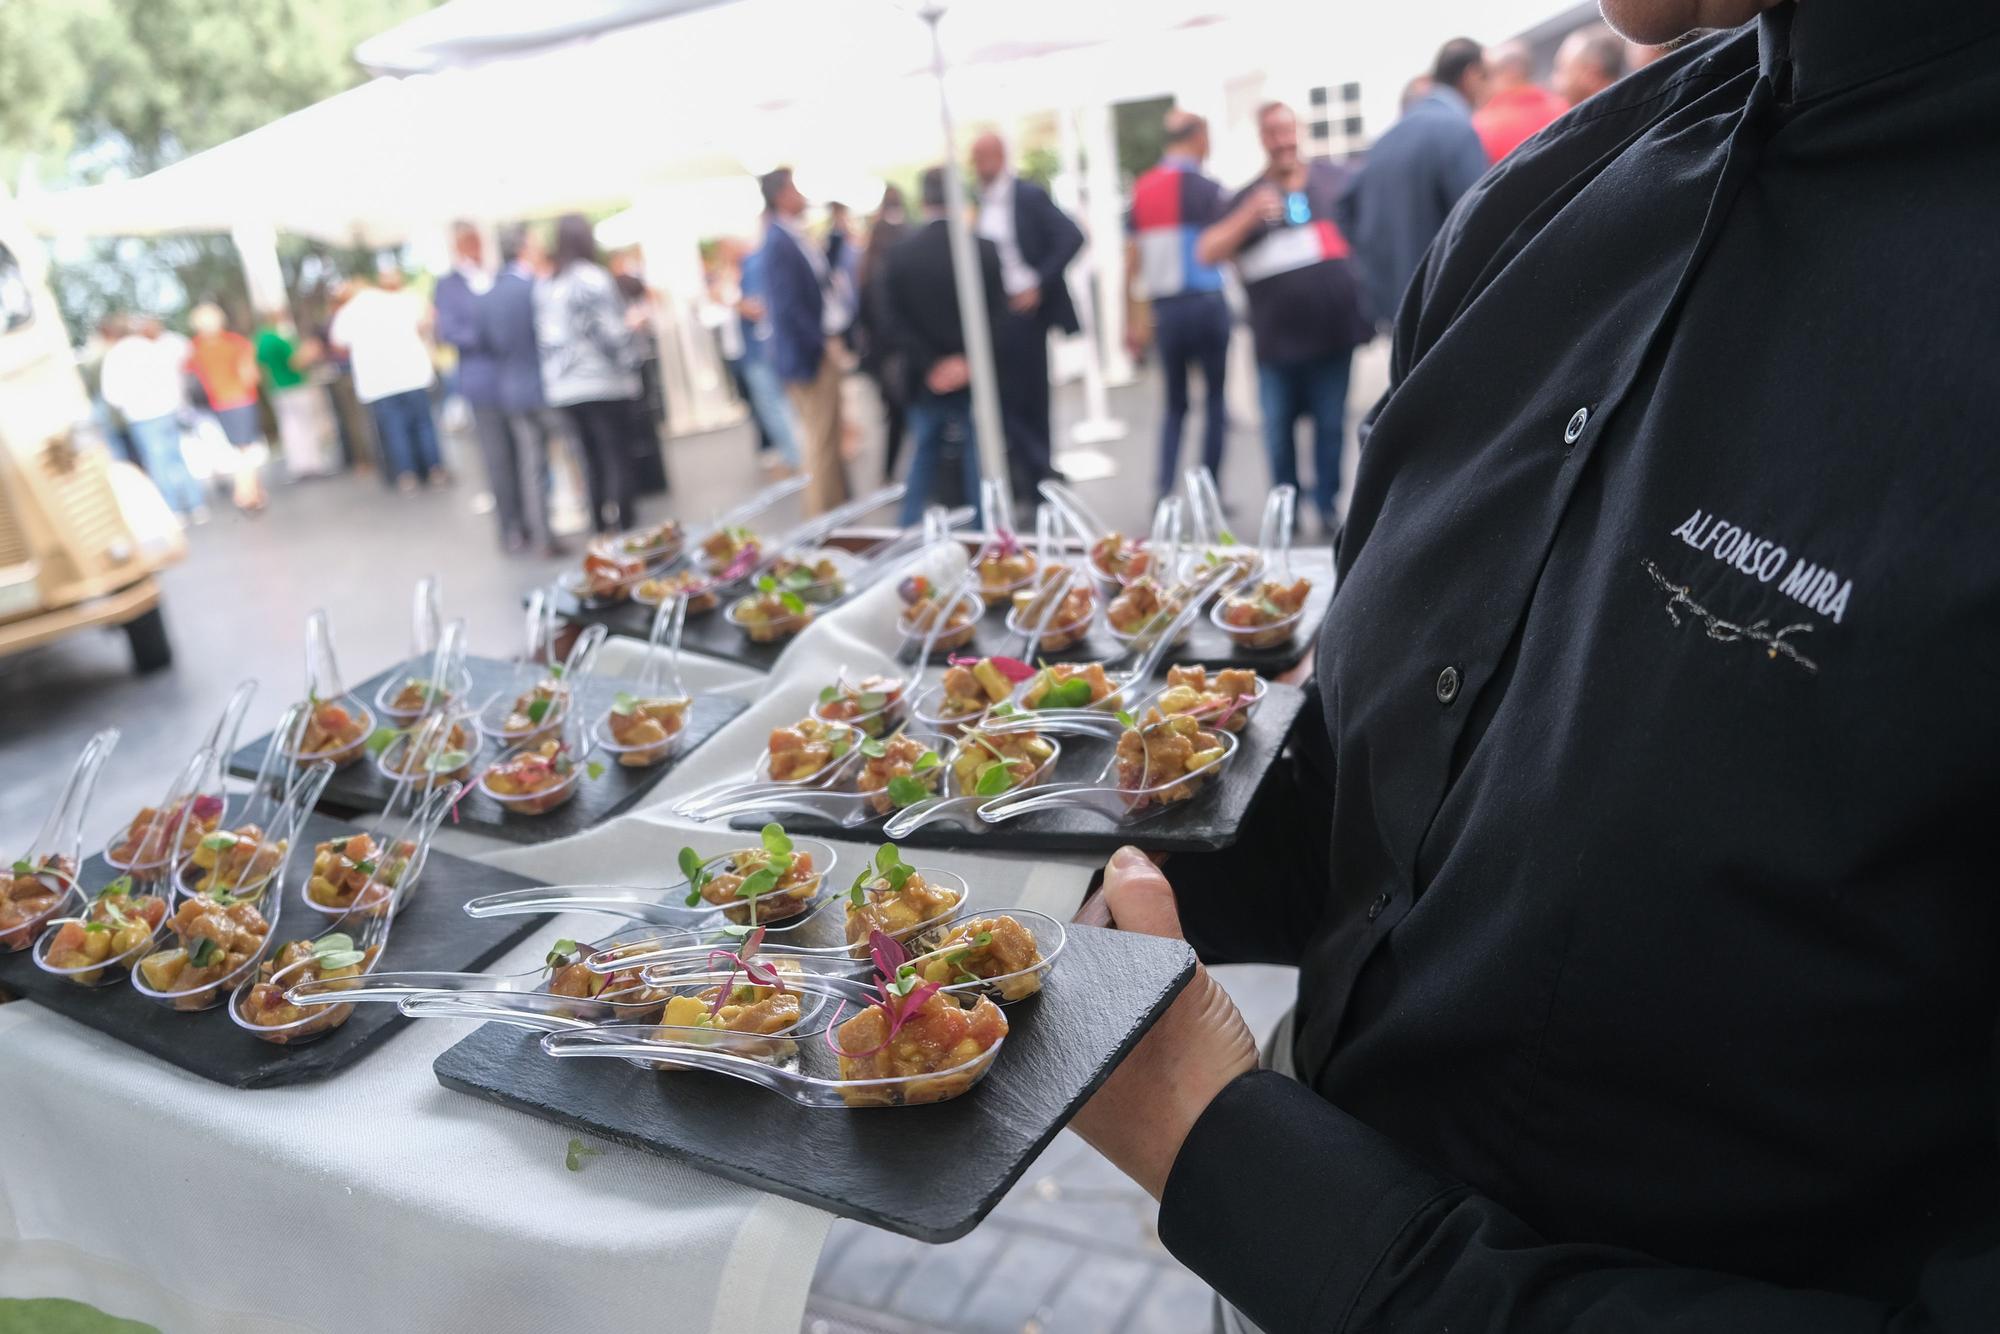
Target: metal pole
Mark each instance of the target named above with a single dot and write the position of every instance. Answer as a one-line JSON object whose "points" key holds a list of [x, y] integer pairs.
{"points": [[965, 275]]}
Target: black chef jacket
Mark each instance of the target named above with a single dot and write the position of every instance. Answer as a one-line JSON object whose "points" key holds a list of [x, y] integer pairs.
{"points": [[1656, 987]]}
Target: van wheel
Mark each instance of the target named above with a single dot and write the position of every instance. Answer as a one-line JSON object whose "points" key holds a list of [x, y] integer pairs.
{"points": [[151, 649]]}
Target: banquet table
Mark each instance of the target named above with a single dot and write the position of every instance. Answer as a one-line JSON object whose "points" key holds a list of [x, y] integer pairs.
{"points": [[377, 1200]]}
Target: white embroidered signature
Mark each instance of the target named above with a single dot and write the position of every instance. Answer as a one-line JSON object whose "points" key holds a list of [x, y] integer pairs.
{"points": [[1776, 643]]}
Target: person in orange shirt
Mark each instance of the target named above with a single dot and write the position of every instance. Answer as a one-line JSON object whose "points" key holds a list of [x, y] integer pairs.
{"points": [[1516, 107], [226, 365]]}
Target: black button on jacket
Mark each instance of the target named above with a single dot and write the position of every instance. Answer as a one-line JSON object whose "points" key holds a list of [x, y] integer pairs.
{"points": [[1650, 973]]}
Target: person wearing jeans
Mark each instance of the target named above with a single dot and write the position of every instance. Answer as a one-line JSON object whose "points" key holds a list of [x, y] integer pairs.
{"points": [[142, 378], [408, 431], [589, 356], [1307, 309], [1317, 391], [159, 443], [1171, 206], [920, 309]]}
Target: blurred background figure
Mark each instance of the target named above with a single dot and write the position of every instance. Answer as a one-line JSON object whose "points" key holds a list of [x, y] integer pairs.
{"points": [[1036, 241], [770, 407], [1414, 174], [225, 365], [920, 301], [381, 330], [795, 280], [144, 379], [1516, 106], [505, 318], [873, 338], [456, 301], [590, 360], [1589, 60], [305, 427], [1307, 309], [1172, 204], [843, 268], [646, 464]]}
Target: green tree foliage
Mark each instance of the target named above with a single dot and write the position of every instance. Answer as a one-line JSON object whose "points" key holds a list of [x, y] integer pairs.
{"points": [[97, 89]]}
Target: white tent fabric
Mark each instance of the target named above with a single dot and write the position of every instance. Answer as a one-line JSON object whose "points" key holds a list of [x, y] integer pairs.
{"points": [[838, 85]]}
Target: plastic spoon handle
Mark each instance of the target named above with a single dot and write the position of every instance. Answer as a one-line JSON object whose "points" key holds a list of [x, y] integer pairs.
{"points": [[660, 906], [929, 811], [1079, 514], [62, 831], [426, 616], [1152, 650], [760, 502], [1066, 722], [1274, 535], [812, 530], [222, 735], [529, 1010], [845, 808], [535, 628], [322, 668], [395, 986]]}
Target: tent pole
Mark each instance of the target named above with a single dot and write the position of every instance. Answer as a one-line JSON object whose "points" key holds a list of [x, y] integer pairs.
{"points": [[971, 291]]}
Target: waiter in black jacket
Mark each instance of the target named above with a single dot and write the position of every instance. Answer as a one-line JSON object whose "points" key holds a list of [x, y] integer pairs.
{"points": [[920, 305], [1036, 241], [1648, 934]]}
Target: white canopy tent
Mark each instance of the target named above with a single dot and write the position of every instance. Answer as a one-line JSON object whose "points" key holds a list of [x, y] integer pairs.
{"points": [[524, 111]]}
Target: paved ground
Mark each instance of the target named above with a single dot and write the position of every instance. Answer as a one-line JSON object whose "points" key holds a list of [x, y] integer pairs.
{"points": [[1071, 1248]]}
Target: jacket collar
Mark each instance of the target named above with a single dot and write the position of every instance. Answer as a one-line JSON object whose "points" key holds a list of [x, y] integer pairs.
{"points": [[1825, 46]]}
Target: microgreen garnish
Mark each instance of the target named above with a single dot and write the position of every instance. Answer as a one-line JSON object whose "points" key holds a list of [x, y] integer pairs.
{"points": [[872, 701], [829, 694], [218, 841], [697, 874], [994, 778], [24, 867], [1073, 693], [203, 952], [556, 670], [117, 889], [97, 928], [447, 761], [578, 1151], [760, 974], [336, 950], [538, 708], [381, 739], [839, 745], [874, 748], [623, 703], [888, 865], [221, 898], [1126, 720], [792, 603], [907, 791], [366, 866], [896, 982], [559, 953], [801, 577], [594, 770], [927, 760], [1227, 538]]}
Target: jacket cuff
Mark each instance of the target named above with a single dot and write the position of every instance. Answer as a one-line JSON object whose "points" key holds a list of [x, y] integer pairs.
{"points": [[1284, 1204]]}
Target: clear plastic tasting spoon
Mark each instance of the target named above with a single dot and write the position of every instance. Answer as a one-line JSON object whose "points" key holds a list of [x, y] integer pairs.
{"points": [[1163, 572], [1274, 563], [811, 532], [805, 1072], [1036, 628], [362, 929], [665, 907], [659, 681], [198, 790], [997, 506], [414, 812], [325, 688], [383, 987], [957, 805], [446, 682], [55, 857], [268, 897], [848, 807], [695, 805], [568, 679], [755, 505], [1081, 517], [844, 977], [546, 1013], [267, 804], [1105, 797], [1100, 719], [822, 932]]}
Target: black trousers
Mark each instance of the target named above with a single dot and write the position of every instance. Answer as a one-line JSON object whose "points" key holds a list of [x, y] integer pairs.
{"points": [[604, 432], [1021, 361]]}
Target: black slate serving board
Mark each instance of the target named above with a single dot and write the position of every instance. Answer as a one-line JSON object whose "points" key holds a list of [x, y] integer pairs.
{"points": [[360, 787], [929, 1172], [1205, 644], [708, 632], [1207, 822], [431, 933]]}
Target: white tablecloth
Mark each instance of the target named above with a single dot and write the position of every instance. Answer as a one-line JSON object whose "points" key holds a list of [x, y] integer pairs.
{"points": [[379, 1201]]}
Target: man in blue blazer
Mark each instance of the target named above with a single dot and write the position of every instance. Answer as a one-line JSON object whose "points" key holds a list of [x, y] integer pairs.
{"points": [[504, 320], [795, 302], [457, 298], [1036, 241]]}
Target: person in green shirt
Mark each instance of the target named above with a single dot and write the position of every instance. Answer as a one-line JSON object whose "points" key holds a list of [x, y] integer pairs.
{"points": [[305, 431]]}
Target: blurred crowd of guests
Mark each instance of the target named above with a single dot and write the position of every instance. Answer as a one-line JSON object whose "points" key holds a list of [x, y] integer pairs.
{"points": [[1321, 252], [549, 345]]}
